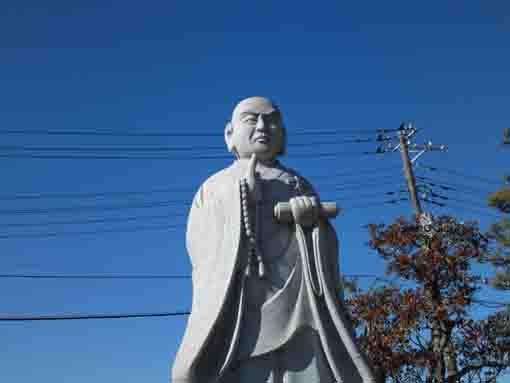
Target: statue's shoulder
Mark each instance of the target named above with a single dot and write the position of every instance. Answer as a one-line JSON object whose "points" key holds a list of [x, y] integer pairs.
{"points": [[222, 178], [218, 185], [300, 181]]}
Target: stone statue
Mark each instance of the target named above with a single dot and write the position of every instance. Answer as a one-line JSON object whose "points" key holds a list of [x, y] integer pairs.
{"points": [[265, 292]]}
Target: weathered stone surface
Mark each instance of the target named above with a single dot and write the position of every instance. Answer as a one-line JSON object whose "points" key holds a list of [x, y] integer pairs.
{"points": [[282, 321]]}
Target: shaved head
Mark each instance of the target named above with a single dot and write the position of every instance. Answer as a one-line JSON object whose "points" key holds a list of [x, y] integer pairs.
{"points": [[256, 104], [256, 127]]}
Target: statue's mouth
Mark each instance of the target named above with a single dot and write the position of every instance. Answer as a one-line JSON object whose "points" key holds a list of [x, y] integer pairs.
{"points": [[263, 139]]}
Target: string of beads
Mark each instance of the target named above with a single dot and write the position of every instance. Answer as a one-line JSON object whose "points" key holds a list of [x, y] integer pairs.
{"points": [[253, 251]]}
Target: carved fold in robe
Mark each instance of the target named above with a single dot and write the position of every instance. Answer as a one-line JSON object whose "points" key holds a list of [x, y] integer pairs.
{"points": [[216, 335]]}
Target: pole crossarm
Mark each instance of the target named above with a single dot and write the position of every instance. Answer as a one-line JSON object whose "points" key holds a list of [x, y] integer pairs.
{"points": [[400, 140]]}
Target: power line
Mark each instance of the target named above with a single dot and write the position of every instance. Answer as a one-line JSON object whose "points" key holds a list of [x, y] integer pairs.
{"points": [[466, 208], [91, 232], [97, 207], [142, 228], [127, 276], [163, 157], [372, 179], [145, 315], [361, 186], [152, 277], [344, 181], [91, 276], [313, 156], [87, 195], [465, 201], [378, 203], [109, 157], [455, 172], [449, 197], [90, 221], [113, 133], [26, 196], [153, 217], [87, 221], [329, 142], [384, 170], [17, 148], [387, 193], [127, 149], [81, 195], [90, 316], [453, 185]]}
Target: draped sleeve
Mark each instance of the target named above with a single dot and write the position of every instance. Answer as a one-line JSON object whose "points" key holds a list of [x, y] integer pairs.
{"points": [[212, 240]]}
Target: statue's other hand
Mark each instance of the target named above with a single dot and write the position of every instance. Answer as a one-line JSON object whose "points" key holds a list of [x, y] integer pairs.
{"points": [[251, 178], [305, 210]]}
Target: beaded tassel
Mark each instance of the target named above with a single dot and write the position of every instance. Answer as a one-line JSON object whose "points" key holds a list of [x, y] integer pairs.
{"points": [[253, 252], [258, 219], [246, 222]]}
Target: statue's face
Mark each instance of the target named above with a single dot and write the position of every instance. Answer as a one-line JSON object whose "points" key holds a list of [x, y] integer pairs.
{"points": [[256, 128]]}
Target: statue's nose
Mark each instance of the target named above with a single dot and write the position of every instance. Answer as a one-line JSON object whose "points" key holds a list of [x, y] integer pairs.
{"points": [[261, 124]]}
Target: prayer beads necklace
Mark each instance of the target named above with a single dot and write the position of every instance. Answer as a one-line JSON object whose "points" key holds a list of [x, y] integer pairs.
{"points": [[254, 253]]}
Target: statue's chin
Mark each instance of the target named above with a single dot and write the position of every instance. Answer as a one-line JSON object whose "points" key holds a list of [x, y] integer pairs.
{"points": [[261, 155]]}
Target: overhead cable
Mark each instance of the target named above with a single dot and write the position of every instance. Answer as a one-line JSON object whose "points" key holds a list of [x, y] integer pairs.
{"points": [[162, 189], [81, 195], [383, 170], [91, 276], [143, 205], [91, 232], [88, 221], [456, 172], [143, 228], [382, 193], [90, 316], [114, 133], [375, 203], [361, 186], [127, 276], [128, 149], [455, 185], [476, 204], [164, 157], [469, 208]]}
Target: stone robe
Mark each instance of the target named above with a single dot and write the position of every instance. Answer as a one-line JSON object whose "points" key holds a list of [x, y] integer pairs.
{"points": [[235, 319]]}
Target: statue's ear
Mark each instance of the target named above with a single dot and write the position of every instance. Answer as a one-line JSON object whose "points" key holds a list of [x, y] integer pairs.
{"points": [[229, 130]]}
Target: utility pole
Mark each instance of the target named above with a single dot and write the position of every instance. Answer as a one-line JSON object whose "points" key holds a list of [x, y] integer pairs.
{"points": [[408, 170], [405, 132]]}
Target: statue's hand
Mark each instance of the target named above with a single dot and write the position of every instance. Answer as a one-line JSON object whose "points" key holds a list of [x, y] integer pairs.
{"points": [[305, 210], [251, 178]]}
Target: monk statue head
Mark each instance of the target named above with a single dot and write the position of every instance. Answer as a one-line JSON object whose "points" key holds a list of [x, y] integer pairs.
{"points": [[256, 127]]}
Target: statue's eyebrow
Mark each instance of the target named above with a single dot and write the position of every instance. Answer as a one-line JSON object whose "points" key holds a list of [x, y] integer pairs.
{"points": [[271, 113]]}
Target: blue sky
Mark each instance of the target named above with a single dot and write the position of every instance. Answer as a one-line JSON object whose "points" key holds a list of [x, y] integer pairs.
{"points": [[180, 66]]}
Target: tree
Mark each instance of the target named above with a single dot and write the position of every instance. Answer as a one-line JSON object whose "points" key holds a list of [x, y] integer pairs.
{"points": [[424, 330], [500, 232]]}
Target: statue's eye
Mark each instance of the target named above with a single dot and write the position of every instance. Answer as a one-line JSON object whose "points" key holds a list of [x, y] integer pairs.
{"points": [[251, 120]]}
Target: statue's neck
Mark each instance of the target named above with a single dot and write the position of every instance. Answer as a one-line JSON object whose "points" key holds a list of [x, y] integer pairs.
{"points": [[261, 164]]}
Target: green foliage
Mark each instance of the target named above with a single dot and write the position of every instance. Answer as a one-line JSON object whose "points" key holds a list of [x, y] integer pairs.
{"points": [[500, 200], [500, 232]]}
